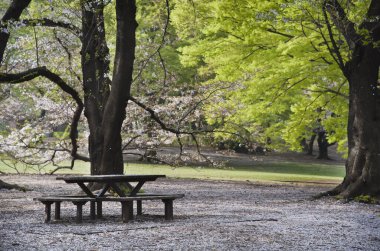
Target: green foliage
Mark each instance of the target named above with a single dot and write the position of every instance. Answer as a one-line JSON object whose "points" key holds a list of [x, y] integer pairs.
{"points": [[273, 54]]}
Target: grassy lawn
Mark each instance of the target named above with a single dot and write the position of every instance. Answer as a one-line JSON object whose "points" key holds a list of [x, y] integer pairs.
{"points": [[282, 171]]}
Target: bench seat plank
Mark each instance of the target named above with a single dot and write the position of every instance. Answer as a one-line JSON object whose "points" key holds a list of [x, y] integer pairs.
{"points": [[78, 201], [126, 204]]}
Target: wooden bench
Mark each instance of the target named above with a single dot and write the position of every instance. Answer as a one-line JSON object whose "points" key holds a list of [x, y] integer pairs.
{"points": [[126, 205], [79, 201]]}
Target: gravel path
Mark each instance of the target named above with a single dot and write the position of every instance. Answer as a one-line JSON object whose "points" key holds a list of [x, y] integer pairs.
{"points": [[214, 215]]}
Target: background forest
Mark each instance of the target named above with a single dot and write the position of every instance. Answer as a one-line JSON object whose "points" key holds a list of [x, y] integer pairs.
{"points": [[245, 75]]}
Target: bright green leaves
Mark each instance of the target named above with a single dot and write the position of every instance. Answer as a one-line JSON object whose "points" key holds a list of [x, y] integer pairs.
{"points": [[274, 53]]}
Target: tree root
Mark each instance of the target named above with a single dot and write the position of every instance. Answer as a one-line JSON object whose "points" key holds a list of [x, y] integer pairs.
{"points": [[4, 185], [348, 191]]}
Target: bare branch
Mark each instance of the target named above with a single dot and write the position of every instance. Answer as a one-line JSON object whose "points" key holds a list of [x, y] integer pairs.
{"points": [[149, 158], [157, 51], [52, 23], [44, 72], [163, 126], [192, 109], [129, 142]]}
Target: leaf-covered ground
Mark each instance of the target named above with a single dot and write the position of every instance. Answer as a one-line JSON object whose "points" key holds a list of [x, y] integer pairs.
{"points": [[214, 215]]}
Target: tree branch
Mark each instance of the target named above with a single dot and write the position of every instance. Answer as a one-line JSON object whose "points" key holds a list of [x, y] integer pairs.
{"points": [[44, 72], [341, 21], [154, 116], [335, 50], [274, 31], [157, 51], [51, 23]]}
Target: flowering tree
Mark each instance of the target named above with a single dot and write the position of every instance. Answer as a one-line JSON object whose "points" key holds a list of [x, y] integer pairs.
{"points": [[63, 70]]}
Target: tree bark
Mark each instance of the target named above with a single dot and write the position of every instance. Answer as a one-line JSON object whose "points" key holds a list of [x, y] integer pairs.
{"points": [[95, 69], [363, 163], [323, 145], [13, 13], [363, 130], [311, 144], [114, 113]]}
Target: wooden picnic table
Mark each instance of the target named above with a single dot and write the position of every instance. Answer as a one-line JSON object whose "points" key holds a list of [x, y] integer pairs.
{"points": [[111, 181]]}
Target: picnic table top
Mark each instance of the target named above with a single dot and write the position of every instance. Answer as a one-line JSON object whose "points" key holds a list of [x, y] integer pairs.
{"points": [[114, 178]]}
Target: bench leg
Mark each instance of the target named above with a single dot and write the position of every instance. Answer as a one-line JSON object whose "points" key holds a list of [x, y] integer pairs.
{"points": [[92, 210], [127, 210], [57, 210], [99, 211], [47, 210], [79, 211], [168, 209], [139, 207]]}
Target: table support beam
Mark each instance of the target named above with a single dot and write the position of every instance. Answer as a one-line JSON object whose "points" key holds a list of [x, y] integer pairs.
{"points": [[127, 210], [168, 209], [57, 212], [137, 188], [86, 190]]}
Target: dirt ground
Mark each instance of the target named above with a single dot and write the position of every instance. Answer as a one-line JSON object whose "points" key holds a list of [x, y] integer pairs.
{"points": [[213, 215]]}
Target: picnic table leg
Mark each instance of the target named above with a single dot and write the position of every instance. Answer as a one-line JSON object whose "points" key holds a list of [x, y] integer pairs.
{"points": [[127, 210], [47, 210], [57, 210], [99, 212], [92, 210], [79, 210], [139, 207], [168, 209]]}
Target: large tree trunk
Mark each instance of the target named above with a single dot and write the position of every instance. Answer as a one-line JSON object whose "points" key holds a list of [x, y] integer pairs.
{"points": [[95, 69], [363, 130], [114, 113], [105, 109], [363, 163]]}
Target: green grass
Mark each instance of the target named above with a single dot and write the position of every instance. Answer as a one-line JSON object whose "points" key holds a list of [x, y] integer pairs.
{"points": [[282, 171]]}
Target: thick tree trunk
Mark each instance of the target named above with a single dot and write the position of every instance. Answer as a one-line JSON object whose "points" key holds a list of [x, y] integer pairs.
{"points": [[13, 13], [114, 113], [323, 145], [362, 72], [95, 69], [363, 163], [311, 144]]}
